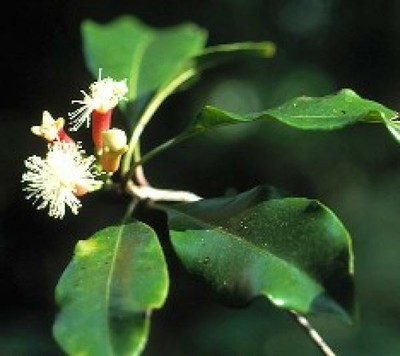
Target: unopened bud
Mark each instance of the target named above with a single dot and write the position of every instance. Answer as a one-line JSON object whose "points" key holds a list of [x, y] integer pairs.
{"points": [[115, 140], [51, 130], [114, 146]]}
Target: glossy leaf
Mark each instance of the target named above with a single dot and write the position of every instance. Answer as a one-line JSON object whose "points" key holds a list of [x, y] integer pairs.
{"points": [[294, 251], [107, 292], [146, 56], [309, 113]]}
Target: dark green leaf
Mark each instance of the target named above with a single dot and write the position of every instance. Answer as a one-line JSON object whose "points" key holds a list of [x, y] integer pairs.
{"points": [[108, 290], [308, 113], [147, 57], [294, 251]]}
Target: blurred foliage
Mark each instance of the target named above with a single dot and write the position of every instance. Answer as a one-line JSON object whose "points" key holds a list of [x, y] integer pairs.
{"points": [[322, 46]]}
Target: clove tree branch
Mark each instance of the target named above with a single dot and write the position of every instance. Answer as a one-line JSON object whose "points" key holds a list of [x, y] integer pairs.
{"points": [[314, 335]]}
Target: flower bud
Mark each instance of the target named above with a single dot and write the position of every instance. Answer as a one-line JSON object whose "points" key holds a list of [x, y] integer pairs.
{"points": [[51, 130], [113, 147]]}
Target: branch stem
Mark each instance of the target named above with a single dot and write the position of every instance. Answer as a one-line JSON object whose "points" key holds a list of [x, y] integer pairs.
{"points": [[155, 194], [314, 335], [137, 170], [148, 113], [129, 210], [155, 151]]}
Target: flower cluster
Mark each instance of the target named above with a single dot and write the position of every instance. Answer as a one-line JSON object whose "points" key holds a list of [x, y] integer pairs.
{"points": [[66, 173]]}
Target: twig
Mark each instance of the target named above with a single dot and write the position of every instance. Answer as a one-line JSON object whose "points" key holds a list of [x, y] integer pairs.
{"points": [[140, 176], [155, 194], [151, 108], [138, 171], [314, 335], [128, 213]]}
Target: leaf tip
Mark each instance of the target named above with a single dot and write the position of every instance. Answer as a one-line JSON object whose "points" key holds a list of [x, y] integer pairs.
{"points": [[268, 49]]}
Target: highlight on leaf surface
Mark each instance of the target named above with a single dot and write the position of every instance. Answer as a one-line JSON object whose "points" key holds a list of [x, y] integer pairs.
{"points": [[294, 251]]}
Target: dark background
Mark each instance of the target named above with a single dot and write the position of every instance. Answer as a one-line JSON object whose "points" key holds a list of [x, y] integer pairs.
{"points": [[322, 46]]}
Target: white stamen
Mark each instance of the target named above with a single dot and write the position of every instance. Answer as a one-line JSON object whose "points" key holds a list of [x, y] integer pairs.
{"points": [[104, 94], [53, 181]]}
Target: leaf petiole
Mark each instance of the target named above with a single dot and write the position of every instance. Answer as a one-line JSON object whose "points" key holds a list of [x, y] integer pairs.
{"points": [[148, 113]]}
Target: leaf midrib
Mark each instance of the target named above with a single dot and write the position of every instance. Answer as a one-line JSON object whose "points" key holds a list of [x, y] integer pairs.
{"points": [[109, 283]]}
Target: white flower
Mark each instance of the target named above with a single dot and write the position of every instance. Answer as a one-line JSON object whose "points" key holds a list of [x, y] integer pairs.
{"points": [[104, 95], [60, 178]]}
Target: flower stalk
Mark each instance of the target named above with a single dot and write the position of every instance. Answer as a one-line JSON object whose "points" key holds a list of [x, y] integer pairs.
{"points": [[151, 108]]}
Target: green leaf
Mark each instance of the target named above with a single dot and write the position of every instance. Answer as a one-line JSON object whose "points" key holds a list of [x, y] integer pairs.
{"points": [[309, 113], [146, 56], [151, 58], [294, 251], [107, 292]]}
